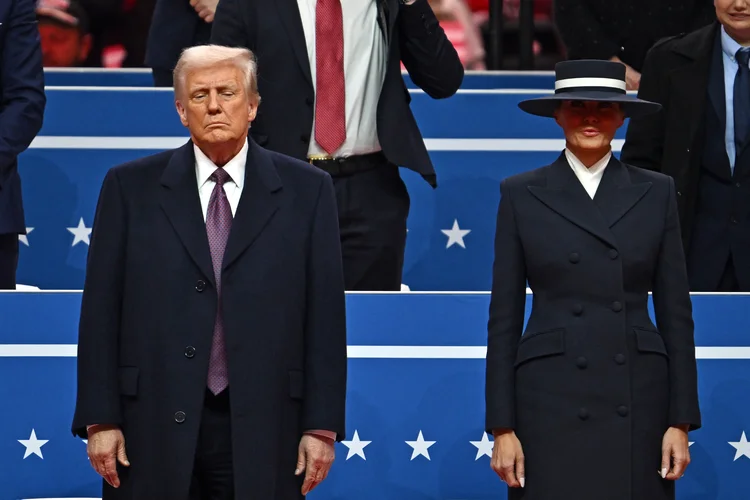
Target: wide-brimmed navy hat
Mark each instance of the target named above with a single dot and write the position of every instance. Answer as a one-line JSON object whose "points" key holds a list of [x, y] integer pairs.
{"points": [[589, 80]]}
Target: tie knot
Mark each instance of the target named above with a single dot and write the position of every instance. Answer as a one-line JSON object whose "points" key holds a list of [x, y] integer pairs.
{"points": [[220, 176], [743, 56]]}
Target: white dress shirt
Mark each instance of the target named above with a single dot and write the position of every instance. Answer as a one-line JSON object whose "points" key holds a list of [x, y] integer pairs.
{"points": [[364, 71], [233, 188], [589, 177]]}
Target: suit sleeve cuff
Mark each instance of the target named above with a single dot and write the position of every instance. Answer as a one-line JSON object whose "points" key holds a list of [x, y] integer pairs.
{"points": [[418, 18], [322, 433]]}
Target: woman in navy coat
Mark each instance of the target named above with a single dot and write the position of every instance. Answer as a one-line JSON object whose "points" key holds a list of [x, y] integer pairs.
{"points": [[594, 401]]}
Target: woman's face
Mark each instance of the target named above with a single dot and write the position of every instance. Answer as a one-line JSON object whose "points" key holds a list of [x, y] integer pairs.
{"points": [[589, 125]]}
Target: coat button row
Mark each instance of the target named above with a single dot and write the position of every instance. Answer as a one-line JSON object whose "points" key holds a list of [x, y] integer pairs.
{"points": [[189, 351], [583, 413], [200, 285], [179, 417], [582, 362], [575, 258]]}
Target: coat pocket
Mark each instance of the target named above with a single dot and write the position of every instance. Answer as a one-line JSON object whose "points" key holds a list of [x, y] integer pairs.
{"points": [[649, 341], [128, 380], [540, 344], [296, 384]]}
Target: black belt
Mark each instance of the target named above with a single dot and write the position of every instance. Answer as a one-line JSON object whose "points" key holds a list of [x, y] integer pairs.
{"points": [[349, 165]]}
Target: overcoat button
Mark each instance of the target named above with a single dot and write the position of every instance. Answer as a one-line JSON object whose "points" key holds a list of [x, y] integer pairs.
{"points": [[622, 411], [613, 254], [189, 351], [583, 414], [616, 306], [577, 309], [179, 417], [581, 362], [200, 285], [574, 258], [620, 359]]}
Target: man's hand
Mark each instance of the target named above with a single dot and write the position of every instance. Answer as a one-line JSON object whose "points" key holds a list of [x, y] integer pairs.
{"points": [[632, 77], [315, 456], [106, 447], [507, 458], [205, 9], [675, 455]]}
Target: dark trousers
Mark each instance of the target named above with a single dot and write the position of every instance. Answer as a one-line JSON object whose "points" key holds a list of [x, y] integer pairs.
{"points": [[729, 281], [373, 206], [8, 261], [213, 477]]}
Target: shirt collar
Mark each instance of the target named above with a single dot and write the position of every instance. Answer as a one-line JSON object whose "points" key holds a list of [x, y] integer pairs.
{"points": [[578, 167], [729, 45], [234, 167]]}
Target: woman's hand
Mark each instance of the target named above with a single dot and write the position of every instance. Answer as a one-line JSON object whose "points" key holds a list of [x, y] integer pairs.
{"points": [[675, 455], [507, 458]]}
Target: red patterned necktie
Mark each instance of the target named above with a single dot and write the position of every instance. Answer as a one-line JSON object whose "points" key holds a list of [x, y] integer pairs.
{"points": [[330, 99], [218, 224]]}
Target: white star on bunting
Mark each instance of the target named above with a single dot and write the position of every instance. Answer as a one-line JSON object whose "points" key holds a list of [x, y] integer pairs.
{"points": [[356, 446], [484, 447], [742, 446], [24, 238], [81, 233], [33, 445], [420, 447], [455, 235]]}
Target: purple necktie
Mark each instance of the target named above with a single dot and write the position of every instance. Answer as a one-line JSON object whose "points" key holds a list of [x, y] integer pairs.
{"points": [[218, 224]]}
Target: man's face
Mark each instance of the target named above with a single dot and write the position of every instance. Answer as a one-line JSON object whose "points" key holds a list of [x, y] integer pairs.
{"points": [[735, 16], [63, 47], [215, 106]]}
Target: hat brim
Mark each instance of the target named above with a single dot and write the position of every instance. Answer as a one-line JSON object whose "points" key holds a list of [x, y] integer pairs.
{"points": [[630, 105]]}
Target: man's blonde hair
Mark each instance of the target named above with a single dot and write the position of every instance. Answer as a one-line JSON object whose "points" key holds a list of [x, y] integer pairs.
{"points": [[206, 56]]}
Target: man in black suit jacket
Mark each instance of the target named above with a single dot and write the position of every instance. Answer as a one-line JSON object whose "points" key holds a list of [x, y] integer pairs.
{"points": [[359, 128], [22, 103], [212, 355], [695, 139]]}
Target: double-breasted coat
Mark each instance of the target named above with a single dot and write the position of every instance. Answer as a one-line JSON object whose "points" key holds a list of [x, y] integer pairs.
{"points": [[593, 383], [148, 310]]}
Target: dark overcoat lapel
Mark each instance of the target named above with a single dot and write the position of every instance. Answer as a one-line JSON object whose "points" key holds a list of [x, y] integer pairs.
{"points": [[615, 196], [181, 203]]}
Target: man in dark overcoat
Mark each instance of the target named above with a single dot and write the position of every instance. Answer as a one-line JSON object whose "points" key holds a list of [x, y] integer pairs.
{"points": [[702, 139], [212, 345]]}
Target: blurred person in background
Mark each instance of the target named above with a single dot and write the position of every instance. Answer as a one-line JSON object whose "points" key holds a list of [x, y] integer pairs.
{"points": [[176, 25], [702, 139], [64, 31], [22, 103], [119, 29], [462, 30], [624, 30]]}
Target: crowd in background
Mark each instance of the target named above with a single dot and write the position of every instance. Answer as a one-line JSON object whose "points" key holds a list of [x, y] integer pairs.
{"points": [[114, 33]]}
